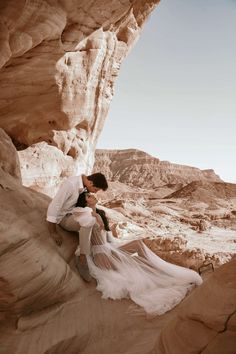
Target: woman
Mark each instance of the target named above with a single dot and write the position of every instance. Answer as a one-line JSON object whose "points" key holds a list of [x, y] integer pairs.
{"points": [[133, 270]]}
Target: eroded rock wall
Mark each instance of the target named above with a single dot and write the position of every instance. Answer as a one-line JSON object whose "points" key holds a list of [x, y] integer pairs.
{"points": [[59, 61], [45, 307]]}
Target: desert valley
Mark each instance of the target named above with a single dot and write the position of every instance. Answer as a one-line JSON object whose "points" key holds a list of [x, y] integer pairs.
{"points": [[187, 215]]}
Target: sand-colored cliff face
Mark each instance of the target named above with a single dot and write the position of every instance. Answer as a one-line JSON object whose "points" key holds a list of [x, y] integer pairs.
{"points": [[206, 321], [59, 61], [9, 160], [138, 168]]}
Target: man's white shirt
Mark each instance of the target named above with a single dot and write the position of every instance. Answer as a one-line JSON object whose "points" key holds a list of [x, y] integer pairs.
{"points": [[65, 199]]}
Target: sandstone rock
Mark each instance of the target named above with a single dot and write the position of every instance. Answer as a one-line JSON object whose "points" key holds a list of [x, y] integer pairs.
{"points": [[206, 191], [9, 160], [174, 250], [205, 321], [43, 167], [59, 61], [26, 266], [137, 168]]}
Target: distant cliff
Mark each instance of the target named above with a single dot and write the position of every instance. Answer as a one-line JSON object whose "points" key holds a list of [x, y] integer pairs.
{"points": [[138, 168]]}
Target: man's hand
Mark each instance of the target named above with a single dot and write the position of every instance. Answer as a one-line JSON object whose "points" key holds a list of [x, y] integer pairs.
{"points": [[53, 233], [57, 238]]}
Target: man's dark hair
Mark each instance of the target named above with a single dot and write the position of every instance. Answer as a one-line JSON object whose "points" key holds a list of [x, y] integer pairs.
{"points": [[81, 202], [99, 180]]}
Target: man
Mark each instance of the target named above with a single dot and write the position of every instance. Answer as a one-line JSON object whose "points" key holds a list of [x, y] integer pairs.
{"points": [[60, 212]]}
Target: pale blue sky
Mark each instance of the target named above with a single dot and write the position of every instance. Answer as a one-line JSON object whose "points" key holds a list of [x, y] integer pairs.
{"points": [[175, 97]]}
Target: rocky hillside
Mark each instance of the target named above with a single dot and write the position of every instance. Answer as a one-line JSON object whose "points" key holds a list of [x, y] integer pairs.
{"points": [[205, 191], [170, 200], [137, 168]]}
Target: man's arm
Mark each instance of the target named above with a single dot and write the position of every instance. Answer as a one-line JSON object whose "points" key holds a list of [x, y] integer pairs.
{"points": [[56, 204], [54, 209]]}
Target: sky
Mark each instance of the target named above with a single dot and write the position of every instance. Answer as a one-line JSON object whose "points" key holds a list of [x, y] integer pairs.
{"points": [[175, 96]]}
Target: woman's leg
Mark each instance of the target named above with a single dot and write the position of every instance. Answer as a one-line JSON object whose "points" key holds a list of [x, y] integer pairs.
{"points": [[70, 223], [137, 247], [102, 258], [103, 261], [133, 247]]}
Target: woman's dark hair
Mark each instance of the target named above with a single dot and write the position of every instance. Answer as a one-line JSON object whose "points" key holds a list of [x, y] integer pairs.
{"points": [[104, 218], [81, 202], [99, 180]]}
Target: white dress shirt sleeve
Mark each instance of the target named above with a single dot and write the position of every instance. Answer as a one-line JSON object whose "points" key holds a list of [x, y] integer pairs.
{"points": [[55, 208]]}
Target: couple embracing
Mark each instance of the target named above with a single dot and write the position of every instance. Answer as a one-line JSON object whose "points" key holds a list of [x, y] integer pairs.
{"points": [[122, 270]]}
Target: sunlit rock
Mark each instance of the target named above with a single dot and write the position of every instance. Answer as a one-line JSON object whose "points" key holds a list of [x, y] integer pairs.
{"points": [[135, 167], [59, 61], [9, 160], [205, 322]]}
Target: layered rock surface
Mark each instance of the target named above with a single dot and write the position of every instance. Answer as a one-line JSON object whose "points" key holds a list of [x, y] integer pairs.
{"points": [[135, 167], [206, 321], [59, 61]]}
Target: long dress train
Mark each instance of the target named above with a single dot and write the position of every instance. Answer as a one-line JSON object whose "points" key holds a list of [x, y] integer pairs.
{"points": [[152, 283]]}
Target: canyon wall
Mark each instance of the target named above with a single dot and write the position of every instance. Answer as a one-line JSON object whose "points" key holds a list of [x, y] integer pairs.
{"points": [[59, 60]]}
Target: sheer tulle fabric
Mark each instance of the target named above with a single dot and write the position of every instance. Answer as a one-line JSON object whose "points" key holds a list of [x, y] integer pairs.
{"points": [[152, 283]]}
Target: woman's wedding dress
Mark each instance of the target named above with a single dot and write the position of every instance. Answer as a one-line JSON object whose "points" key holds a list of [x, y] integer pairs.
{"points": [[152, 283]]}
